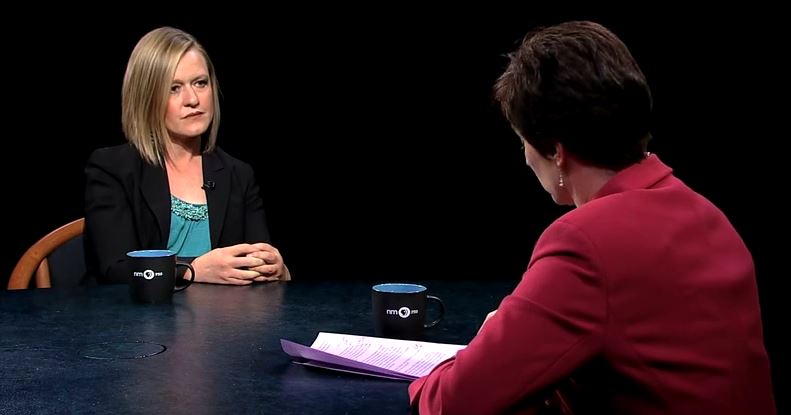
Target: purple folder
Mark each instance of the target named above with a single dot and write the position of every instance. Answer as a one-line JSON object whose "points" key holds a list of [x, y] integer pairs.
{"points": [[313, 357]]}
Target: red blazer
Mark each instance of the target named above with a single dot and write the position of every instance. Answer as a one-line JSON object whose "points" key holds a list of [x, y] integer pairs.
{"points": [[647, 293]]}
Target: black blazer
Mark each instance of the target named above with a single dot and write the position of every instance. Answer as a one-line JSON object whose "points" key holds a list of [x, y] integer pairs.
{"points": [[127, 207]]}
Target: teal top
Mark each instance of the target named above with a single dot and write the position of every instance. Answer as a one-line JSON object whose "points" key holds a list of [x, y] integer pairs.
{"points": [[189, 228]]}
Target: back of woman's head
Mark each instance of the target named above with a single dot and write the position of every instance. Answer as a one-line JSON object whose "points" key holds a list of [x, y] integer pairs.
{"points": [[146, 87], [577, 84]]}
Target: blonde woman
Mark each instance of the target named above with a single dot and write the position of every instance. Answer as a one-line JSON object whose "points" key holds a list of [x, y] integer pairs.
{"points": [[171, 187]]}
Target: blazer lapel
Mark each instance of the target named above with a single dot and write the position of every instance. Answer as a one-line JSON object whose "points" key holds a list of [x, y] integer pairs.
{"points": [[156, 193], [218, 176]]}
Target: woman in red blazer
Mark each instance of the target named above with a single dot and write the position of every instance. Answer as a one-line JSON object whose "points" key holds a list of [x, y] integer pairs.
{"points": [[644, 295]]}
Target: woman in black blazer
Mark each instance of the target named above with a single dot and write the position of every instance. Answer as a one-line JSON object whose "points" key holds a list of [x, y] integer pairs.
{"points": [[170, 186]]}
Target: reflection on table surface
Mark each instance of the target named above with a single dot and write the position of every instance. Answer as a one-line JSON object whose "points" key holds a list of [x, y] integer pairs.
{"points": [[222, 348]]}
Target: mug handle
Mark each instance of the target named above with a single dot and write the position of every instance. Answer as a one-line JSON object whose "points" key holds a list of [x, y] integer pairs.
{"points": [[192, 275], [441, 311]]}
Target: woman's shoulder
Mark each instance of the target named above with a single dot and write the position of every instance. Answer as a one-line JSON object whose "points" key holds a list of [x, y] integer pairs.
{"points": [[121, 160], [221, 156], [114, 154]]}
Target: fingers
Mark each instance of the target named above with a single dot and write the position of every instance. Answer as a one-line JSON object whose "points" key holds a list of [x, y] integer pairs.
{"points": [[242, 249], [241, 264], [264, 278], [233, 276], [262, 246], [268, 257], [246, 262], [267, 270]]}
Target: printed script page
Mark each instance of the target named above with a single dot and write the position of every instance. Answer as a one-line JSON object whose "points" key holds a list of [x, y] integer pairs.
{"points": [[413, 358]]}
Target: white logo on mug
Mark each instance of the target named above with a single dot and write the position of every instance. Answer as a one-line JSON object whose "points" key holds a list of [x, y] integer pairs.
{"points": [[402, 312], [147, 274]]}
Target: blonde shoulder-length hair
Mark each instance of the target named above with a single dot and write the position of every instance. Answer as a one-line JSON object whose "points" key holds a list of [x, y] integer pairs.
{"points": [[146, 89]]}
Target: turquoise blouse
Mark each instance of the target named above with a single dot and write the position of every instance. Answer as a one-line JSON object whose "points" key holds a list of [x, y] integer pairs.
{"points": [[189, 228]]}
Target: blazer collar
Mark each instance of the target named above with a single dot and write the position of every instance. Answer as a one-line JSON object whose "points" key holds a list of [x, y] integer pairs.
{"points": [[156, 192], [216, 173], [642, 175]]}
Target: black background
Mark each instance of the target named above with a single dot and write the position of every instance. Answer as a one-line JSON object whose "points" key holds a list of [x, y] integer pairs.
{"points": [[375, 140]]}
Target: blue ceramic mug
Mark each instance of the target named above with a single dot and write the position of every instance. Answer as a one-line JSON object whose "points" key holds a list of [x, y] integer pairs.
{"points": [[153, 275], [399, 310]]}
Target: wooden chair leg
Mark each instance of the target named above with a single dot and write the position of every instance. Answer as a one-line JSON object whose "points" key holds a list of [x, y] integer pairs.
{"points": [[42, 275]]}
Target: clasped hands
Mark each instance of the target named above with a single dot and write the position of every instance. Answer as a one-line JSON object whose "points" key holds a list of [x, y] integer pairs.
{"points": [[241, 264]]}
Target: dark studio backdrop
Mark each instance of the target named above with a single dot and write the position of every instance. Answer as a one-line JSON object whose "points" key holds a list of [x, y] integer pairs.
{"points": [[379, 151]]}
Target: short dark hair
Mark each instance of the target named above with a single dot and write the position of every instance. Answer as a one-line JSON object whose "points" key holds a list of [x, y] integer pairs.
{"points": [[577, 84]]}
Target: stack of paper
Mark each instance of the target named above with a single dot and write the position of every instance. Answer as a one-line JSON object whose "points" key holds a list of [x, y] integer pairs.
{"points": [[373, 356]]}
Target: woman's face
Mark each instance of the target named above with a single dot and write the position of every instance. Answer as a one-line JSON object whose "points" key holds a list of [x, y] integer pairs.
{"points": [[191, 101], [547, 172]]}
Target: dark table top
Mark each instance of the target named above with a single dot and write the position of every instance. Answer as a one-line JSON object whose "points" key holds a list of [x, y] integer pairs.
{"points": [[221, 348]]}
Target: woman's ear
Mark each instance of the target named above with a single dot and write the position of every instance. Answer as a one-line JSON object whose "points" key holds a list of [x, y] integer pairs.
{"points": [[560, 155]]}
